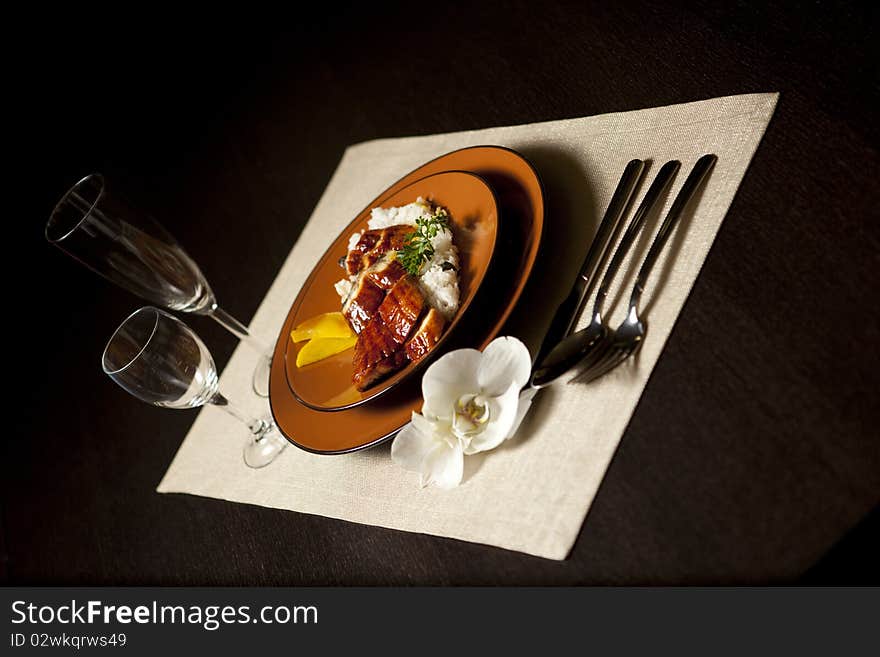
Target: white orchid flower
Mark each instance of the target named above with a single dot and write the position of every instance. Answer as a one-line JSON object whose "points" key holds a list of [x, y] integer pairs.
{"points": [[472, 403]]}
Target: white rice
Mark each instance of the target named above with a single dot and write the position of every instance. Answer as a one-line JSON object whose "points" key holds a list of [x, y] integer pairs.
{"points": [[403, 215], [343, 287], [439, 285]]}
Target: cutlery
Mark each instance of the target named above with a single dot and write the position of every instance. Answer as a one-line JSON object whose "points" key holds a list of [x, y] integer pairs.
{"points": [[567, 312], [580, 347], [628, 337]]}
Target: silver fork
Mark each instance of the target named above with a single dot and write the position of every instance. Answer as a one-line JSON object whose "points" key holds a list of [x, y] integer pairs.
{"points": [[578, 350], [628, 337]]}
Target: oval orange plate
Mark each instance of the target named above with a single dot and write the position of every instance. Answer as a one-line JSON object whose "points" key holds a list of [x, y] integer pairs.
{"points": [[473, 218], [521, 202]]}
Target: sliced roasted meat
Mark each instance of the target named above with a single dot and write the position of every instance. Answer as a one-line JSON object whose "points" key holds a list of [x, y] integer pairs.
{"points": [[362, 303], [376, 354], [375, 243], [393, 237], [426, 335], [364, 379], [379, 350], [386, 272], [355, 256], [402, 308], [369, 289], [386, 307]]}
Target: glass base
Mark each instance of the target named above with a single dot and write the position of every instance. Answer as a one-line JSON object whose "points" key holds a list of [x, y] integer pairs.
{"points": [[260, 380], [261, 452]]}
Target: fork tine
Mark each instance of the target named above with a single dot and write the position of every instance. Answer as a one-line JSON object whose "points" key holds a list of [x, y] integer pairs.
{"points": [[605, 366], [590, 372], [598, 353], [625, 354], [622, 355], [613, 360]]}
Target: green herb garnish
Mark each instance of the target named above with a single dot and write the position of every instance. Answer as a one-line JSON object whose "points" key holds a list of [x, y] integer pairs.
{"points": [[418, 248]]}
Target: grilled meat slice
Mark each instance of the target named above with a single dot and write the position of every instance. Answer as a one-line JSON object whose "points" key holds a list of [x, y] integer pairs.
{"points": [[426, 335], [386, 272], [369, 289], [376, 354], [379, 350], [393, 237], [362, 303], [375, 243], [386, 308], [355, 256], [402, 308], [364, 379]]}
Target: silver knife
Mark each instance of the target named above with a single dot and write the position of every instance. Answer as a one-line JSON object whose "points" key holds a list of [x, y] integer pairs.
{"points": [[567, 313]]}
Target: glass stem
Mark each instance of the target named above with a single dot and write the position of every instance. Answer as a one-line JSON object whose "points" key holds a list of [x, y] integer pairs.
{"points": [[239, 330], [257, 427]]}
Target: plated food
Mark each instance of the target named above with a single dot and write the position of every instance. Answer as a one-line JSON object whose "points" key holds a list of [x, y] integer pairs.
{"points": [[362, 424], [399, 278], [401, 287]]}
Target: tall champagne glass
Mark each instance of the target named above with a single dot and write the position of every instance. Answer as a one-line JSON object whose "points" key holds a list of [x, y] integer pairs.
{"points": [[130, 248], [158, 359]]}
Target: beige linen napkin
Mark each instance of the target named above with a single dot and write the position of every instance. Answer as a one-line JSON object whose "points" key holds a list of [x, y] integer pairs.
{"points": [[533, 493]]}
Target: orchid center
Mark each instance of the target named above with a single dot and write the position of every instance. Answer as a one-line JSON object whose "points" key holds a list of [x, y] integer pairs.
{"points": [[471, 415]]}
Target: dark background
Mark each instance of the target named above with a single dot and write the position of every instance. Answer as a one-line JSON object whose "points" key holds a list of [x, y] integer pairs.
{"points": [[753, 455]]}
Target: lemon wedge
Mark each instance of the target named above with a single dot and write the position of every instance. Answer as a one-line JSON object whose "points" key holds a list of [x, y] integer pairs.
{"points": [[320, 348], [328, 325]]}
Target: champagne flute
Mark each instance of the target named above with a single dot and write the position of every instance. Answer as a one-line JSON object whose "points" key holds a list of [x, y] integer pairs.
{"points": [[130, 248], [158, 359]]}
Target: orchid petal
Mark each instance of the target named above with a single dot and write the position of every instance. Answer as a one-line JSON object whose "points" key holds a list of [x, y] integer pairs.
{"points": [[503, 411], [425, 447], [413, 443], [443, 466], [447, 379], [525, 403], [429, 426], [505, 361]]}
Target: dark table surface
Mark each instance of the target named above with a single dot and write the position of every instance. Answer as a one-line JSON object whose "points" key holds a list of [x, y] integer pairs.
{"points": [[753, 455]]}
